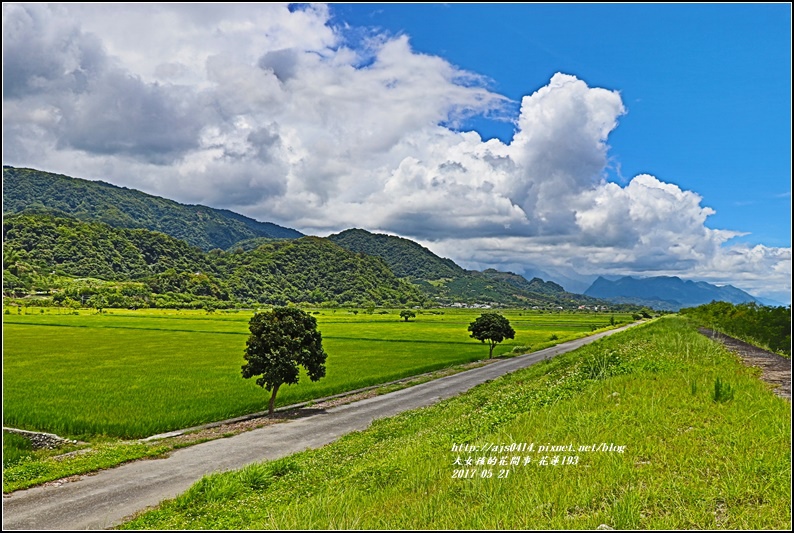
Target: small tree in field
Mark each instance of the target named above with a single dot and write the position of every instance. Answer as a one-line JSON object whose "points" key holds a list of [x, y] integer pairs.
{"points": [[281, 340], [406, 314], [491, 327]]}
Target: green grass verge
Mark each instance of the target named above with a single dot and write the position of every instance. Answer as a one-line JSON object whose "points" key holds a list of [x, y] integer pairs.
{"points": [[132, 374], [688, 462], [44, 465], [15, 449]]}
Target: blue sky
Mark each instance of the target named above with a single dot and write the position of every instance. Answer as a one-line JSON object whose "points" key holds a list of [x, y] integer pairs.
{"points": [[707, 86], [643, 140]]}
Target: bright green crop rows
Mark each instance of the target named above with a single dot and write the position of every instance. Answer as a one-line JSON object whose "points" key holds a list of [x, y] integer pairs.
{"points": [[137, 373]]}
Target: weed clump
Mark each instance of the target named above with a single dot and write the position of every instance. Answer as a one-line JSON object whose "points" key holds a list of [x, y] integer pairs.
{"points": [[723, 392], [602, 365]]}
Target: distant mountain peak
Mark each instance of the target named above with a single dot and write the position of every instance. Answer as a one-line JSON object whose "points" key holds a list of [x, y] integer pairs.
{"points": [[665, 292]]}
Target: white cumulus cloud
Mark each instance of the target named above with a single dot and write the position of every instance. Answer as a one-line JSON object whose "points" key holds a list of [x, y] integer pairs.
{"points": [[267, 110]]}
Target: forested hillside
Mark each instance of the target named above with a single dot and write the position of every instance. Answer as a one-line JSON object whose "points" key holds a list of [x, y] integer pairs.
{"points": [[406, 258], [447, 283], [534, 285], [51, 242], [58, 227], [96, 201], [41, 249]]}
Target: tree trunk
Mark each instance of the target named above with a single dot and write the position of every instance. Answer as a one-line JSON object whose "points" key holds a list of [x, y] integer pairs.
{"points": [[272, 403], [490, 354]]}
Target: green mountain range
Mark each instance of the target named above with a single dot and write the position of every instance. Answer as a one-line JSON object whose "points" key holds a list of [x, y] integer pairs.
{"points": [[96, 201], [141, 249], [447, 283], [40, 249]]}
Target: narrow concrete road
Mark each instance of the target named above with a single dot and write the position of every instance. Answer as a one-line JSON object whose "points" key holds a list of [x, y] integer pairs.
{"points": [[103, 500]]}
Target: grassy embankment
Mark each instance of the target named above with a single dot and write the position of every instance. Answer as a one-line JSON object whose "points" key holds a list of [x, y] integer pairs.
{"points": [[696, 455], [125, 374], [764, 326]]}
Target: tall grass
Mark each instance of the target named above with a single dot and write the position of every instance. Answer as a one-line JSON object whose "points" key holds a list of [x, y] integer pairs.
{"points": [[687, 462], [15, 448]]}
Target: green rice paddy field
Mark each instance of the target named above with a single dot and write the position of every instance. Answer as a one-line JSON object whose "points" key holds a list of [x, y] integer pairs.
{"points": [[137, 373], [647, 444]]}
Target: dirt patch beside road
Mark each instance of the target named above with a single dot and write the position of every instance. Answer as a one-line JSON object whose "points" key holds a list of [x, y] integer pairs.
{"points": [[775, 369]]}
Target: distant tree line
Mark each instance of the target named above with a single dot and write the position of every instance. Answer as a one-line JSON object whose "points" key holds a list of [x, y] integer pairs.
{"points": [[758, 324]]}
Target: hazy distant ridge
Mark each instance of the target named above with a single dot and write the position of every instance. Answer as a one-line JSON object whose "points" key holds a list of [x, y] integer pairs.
{"points": [[665, 292]]}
